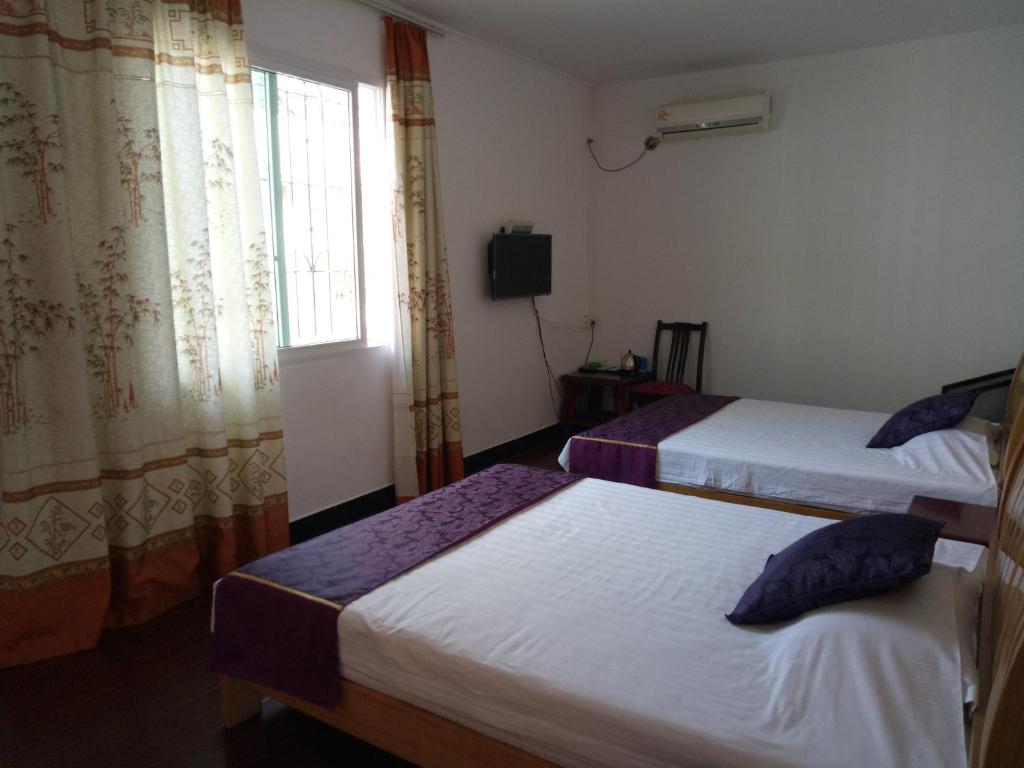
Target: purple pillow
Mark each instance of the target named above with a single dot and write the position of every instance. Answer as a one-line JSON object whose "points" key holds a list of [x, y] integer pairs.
{"points": [[843, 561], [928, 415]]}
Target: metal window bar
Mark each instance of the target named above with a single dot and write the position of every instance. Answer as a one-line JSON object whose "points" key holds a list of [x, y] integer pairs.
{"points": [[277, 212], [338, 267]]}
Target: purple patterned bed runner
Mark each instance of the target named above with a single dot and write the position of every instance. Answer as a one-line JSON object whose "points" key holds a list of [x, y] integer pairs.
{"points": [[626, 449], [276, 619]]}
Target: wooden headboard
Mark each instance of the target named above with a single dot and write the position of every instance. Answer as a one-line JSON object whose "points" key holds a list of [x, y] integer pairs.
{"points": [[1012, 417], [990, 391], [997, 733]]}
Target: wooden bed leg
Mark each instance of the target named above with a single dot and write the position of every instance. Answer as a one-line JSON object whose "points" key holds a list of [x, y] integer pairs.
{"points": [[238, 701]]}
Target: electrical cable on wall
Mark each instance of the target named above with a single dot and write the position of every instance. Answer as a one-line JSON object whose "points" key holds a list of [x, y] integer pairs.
{"points": [[650, 144], [591, 347], [544, 352]]}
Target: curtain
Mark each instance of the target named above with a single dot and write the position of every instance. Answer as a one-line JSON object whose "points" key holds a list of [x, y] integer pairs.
{"points": [[427, 423], [141, 451]]}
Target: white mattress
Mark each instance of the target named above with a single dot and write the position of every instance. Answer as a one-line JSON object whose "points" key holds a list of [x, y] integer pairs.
{"points": [[589, 629], [817, 456]]}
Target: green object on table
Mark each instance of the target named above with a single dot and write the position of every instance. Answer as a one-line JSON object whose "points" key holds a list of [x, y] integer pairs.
{"points": [[594, 366]]}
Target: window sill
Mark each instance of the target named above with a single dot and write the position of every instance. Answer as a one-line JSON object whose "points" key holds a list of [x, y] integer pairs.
{"points": [[315, 353]]}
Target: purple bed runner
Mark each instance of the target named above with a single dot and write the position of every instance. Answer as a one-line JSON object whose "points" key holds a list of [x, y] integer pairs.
{"points": [[626, 449], [276, 619]]}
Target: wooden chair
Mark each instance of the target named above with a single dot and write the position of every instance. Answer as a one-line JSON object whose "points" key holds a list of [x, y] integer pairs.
{"points": [[675, 371]]}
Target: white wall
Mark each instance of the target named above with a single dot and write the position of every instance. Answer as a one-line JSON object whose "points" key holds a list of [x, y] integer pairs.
{"points": [[511, 139], [510, 143], [867, 249]]}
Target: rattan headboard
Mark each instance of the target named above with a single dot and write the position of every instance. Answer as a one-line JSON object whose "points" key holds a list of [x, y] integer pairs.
{"points": [[997, 739]]}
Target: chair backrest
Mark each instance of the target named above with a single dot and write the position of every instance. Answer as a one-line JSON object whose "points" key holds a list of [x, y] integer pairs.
{"points": [[679, 352]]}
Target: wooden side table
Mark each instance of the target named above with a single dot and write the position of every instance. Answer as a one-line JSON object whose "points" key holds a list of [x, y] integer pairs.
{"points": [[575, 384], [963, 522]]}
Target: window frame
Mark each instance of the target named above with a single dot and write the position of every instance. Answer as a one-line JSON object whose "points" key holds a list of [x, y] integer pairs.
{"points": [[279, 62]]}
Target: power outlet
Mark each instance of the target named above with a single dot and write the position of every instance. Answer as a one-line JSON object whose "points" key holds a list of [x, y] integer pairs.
{"points": [[587, 321]]}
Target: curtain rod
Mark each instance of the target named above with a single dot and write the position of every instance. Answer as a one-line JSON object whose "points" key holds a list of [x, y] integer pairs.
{"points": [[400, 13]]}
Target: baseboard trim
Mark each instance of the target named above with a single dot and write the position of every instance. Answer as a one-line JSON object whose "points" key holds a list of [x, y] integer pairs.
{"points": [[356, 509], [499, 453], [346, 513]]}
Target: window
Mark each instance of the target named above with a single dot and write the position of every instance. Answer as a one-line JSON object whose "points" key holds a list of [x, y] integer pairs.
{"points": [[307, 136]]}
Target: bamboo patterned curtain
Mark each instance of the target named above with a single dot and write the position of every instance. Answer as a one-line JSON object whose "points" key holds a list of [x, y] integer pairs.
{"points": [[140, 442], [427, 423]]}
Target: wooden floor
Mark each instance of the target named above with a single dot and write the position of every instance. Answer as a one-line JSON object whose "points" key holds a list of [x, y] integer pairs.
{"points": [[146, 697]]}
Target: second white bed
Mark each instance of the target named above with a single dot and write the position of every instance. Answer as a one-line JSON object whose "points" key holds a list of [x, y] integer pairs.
{"points": [[816, 456], [591, 625]]}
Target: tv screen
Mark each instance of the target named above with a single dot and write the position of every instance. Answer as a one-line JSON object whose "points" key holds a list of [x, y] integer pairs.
{"points": [[520, 265]]}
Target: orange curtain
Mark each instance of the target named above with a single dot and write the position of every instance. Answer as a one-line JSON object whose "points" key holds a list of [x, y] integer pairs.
{"points": [[141, 452], [427, 421]]}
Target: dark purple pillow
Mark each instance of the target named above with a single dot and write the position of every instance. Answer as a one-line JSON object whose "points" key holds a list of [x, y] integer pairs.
{"points": [[843, 561], [928, 415]]}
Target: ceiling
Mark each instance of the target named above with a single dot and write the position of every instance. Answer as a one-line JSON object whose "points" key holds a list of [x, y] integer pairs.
{"points": [[604, 41]]}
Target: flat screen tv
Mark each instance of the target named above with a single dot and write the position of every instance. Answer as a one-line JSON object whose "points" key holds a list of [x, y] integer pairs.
{"points": [[520, 265]]}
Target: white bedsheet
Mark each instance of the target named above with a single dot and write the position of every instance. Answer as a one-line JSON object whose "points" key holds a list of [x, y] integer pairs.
{"points": [[589, 629], [817, 456]]}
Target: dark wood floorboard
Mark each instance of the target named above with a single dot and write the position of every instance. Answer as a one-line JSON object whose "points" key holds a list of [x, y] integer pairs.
{"points": [[544, 456], [146, 697]]}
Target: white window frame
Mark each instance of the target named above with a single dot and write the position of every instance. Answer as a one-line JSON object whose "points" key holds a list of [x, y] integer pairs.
{"points": [[287, 64]]}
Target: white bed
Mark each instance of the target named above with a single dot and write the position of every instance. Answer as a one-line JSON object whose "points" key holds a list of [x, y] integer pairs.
{"points": [[591, 626], [816, 456]]}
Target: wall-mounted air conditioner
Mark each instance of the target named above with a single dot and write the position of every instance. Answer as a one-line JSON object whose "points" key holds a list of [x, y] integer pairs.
{"points": [[715, 118]]}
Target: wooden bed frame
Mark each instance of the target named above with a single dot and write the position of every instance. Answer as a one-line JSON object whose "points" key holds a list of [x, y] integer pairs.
{"points": [[997, 728], [754, 501], [412, 733], [997, 733]]}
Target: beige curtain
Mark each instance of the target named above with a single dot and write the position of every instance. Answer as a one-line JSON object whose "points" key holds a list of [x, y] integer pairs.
{"points": [[140, 439], [427, 422]]}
